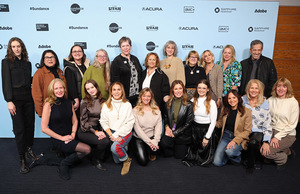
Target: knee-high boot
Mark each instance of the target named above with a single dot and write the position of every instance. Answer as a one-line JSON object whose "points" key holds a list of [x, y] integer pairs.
{"points": [[64, 166]]}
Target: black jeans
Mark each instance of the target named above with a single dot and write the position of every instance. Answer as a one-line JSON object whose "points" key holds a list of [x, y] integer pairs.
{"points": [[23, 125], [170, 148]]}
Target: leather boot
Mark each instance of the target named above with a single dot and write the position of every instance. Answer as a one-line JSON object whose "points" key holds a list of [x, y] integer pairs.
{"points": [[126, 166], [47, 159], [98, 164], [63, 168], [30, 155], [23, 169]]}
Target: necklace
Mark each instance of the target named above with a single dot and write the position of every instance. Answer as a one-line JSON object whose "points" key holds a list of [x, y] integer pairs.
{"points": [[118, 110], [192, 70], [169, 65]]}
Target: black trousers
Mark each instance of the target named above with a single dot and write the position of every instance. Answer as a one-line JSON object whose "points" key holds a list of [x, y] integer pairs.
{"points": [[170, 148], [99, 147], [141, 151], [23, 125], [253, 151]]}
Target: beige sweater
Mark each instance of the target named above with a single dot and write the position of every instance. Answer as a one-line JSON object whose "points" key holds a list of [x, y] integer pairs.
{"points": [[173, 68]]}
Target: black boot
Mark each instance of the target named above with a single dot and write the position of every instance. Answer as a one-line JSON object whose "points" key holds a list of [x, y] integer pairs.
{"points": [[63, 168], [23, 169], [98, 164], [31, 155], [47, 159]]}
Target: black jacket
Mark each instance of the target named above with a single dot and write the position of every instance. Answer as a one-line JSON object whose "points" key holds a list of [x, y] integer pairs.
{"points": [[266, 73], [120, 71], [159, 85], [183, 130]]}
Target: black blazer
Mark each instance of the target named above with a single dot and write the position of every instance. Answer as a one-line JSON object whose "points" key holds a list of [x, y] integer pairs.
{"points": [[159, 85], [183, 131]]}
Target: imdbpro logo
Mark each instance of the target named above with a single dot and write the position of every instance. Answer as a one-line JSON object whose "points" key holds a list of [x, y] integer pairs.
{"points": [[4, 8], [42, 27]]}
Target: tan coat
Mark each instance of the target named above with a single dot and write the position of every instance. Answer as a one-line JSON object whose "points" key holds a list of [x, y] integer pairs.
{"points": [[242, 127]]}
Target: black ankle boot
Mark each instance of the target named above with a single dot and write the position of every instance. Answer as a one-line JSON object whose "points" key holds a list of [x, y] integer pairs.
{"points": [[63, 168], [23, 169], [98, 164], [31, 155]]}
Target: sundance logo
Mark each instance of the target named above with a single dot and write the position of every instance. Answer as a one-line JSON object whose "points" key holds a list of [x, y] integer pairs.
{"points": [[42, 27], [187, 46], [4, 8], [43, 46], [258, 29], [75, 8], [150, 46], [260, 11], [188, 9], [114, 9], [188, 28], [224, 10], [223, 29], [5, 28], [82, 44], [113, 27], [39, 8], [152, 9], [152, 28], [112, 46], [78, 27]]}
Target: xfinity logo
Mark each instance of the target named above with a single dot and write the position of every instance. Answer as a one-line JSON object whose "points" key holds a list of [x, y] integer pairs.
{"points": [[224, 10], [187, 47], [5, 28], [188, 28], [223, 29], [78, 28], [152, 28], [4, 8], [112, 46], [218, 47], [152, 9], [44, 46], [188, 9], [258, 29], [114, 9], [82, 44], [150, 46], [39, 8], [113, 27], [75, 8], [42, 27], [260, 11]]}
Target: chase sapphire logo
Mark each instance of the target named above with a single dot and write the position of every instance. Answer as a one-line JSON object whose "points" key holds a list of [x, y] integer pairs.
{"points": [[250, 29], [82, 44], [217, 10], [113, 27], [75, 8], [150, 46], [42, 27], [4, 8]]}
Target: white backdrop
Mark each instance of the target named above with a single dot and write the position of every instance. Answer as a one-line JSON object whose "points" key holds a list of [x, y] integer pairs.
{"points": [[193, 25]]}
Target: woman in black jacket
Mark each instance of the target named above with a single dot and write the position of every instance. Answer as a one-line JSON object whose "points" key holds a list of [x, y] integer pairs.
{"points": [[155, 79], [178, 119], [16, 85]]}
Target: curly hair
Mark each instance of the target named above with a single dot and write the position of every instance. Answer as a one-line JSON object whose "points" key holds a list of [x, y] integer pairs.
{"points": [[10, 55]]}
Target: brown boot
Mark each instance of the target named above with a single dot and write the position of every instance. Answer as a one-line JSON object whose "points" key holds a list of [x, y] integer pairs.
{"points": [[152, 157], [126, 166]]}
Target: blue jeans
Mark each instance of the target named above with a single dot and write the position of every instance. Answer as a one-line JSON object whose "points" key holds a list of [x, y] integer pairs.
{"points": [[118, 149], [222, 154]]}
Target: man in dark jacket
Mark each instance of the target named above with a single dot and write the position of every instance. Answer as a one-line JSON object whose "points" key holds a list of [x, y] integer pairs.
{"points": [[258, 67]]}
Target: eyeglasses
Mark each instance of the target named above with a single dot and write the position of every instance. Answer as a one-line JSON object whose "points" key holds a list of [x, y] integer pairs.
{"points": [[193, 57], [49, 58], [101, 56], [76, 51]]}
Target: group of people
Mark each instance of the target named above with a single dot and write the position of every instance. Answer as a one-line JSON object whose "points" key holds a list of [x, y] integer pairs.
{"points": [[196, 110]]}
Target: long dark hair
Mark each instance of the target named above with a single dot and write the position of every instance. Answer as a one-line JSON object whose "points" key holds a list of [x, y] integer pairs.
{"points": [[184, 95], [227, 106], [208, 95], [88, 97], [10, 55]]}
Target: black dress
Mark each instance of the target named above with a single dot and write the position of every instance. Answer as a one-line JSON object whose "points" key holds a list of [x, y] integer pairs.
{"points": [[61, 123]]}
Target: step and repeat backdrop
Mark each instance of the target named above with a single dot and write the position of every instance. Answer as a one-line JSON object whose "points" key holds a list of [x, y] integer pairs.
{"points": [[193, 25]]}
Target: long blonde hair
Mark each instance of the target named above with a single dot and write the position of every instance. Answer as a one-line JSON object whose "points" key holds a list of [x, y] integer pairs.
{"points": [[106, 70], [285, 82], [51, 98], [108, 102], [261, 87], [139, 107]]}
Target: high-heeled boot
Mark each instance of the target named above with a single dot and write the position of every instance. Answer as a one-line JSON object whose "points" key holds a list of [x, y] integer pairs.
{"points": [[24, 168], [30, 155], [63, 168]]}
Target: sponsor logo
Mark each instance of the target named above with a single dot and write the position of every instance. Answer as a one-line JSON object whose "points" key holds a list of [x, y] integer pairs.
{"points": [[82, 44], [258, 29], [42, 27], [152, 9], [112, 46], [224, 10], [114, 9], [260, 11], [152, 28], [188, 9], [4, 8], [223, 29], [113, 27], [188, 28], [43, 46], [78, 28], [3, 46], [5, 28], [150, 46], [75, 8], [218, 47], [39, 8], [187, 46]]}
